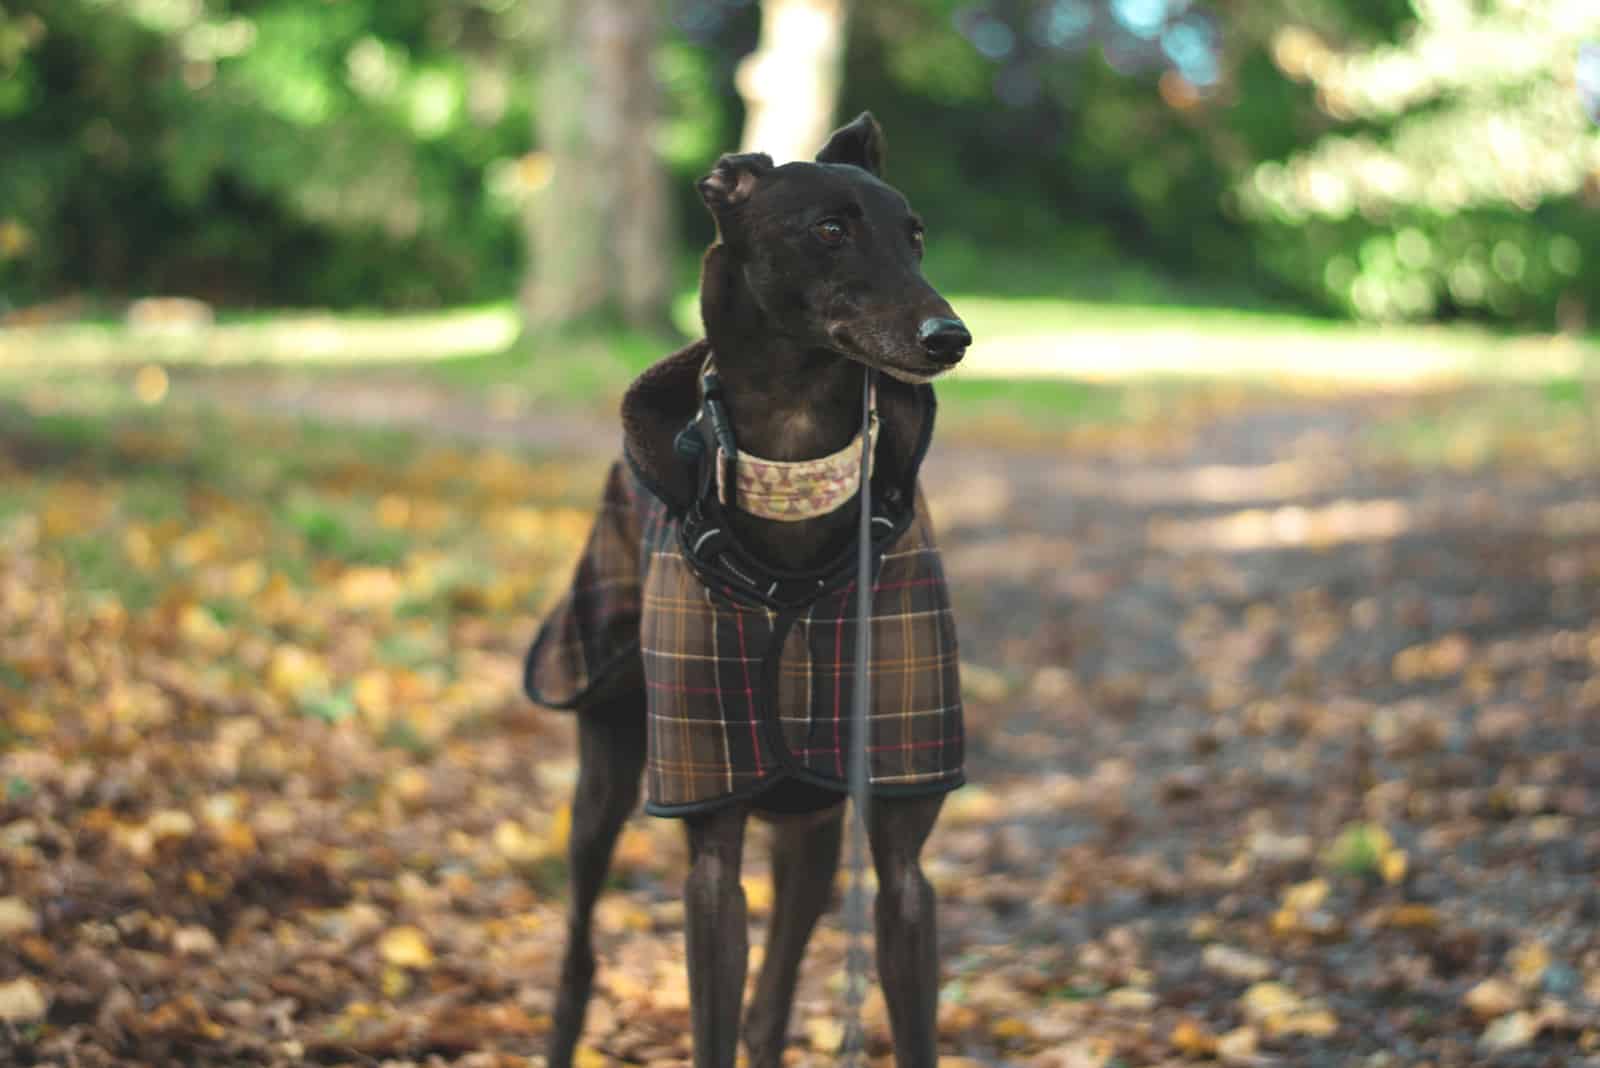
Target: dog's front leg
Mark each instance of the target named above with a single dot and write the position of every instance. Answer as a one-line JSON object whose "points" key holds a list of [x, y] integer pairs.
{"points": [[718, 939], [908, 932], [805, 858]]}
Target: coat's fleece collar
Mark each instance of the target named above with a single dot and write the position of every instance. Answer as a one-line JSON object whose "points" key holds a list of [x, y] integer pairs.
{"points": [[663, 400]]}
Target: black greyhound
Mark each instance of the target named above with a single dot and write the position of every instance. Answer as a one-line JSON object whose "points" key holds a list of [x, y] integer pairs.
{"points": [[816, 275]]}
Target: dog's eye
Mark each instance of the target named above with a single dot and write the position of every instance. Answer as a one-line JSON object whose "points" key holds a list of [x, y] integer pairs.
{"points": [[829, 231], [919, 239]]}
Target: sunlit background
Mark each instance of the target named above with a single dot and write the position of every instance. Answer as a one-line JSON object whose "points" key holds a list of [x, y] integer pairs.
{"points": [[1269, 497], [1384, 161]]}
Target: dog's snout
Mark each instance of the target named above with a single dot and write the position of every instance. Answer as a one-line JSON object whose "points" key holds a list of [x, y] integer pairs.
{"points": [[945, 340]]}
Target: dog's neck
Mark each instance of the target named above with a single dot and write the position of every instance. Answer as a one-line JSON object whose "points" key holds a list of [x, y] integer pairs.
{"points": [[788, 401]]}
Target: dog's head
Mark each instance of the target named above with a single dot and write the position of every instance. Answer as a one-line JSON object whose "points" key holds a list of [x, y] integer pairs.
{"points": [[833, 255]]}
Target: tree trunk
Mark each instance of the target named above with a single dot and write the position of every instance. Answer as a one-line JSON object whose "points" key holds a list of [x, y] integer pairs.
{"points": [[599, 232], [790, 83]]}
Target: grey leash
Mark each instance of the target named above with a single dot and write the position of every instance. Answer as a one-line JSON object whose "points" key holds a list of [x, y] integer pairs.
{"points": [[853, 1048]]}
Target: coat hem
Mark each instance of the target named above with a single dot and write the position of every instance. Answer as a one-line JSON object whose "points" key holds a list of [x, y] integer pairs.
{"points": [[597, 680], [884, 790]]}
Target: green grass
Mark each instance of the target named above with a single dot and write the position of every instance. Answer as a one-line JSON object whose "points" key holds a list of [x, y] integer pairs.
{"points": [[1065, 339], [1551, 425], [582, 368], [964, 401], [246, 541]]}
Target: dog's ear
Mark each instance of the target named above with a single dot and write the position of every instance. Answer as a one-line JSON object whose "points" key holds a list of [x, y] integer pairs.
{"points": [[860, 143], [733, 179]]}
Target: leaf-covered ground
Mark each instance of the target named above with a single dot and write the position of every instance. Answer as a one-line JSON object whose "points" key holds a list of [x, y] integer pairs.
{"points": [[1285, 732]]}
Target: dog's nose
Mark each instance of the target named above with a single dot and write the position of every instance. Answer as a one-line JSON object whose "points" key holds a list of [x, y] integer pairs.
{"points": [[946, 340]]}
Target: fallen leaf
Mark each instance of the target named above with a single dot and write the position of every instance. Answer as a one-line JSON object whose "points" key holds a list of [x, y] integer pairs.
{"points": [[1235, 963], [1085, 1053], [170, 823], [1410, 917], [1317, 924], [21, 1001], [194, 942], [1315, 1023], [295, 672], [1011, 1029], [1268, 999], [956, 1020], [1511, 1032], [200, 628], [1130, 998], [560, 829], [1493, 997], [182, 1017], [983, 684], [516, 844], [1528, 963], [16, 917], [1301, 912], [1281, 1011], [1191, 1037], [824, 1033], [395, 982], [1307, 896], [405, 947], [757, 896], [1280, 848], [1238, 1047], [1393, 866]]}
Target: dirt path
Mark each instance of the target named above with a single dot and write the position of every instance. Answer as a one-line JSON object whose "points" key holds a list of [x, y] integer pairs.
{"points": [[1213, 667], [1279, 756], [1190, 676]]}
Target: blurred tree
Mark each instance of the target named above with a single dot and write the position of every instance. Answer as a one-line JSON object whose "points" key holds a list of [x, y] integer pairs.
{"points": [[1455, 177], [1097, 138], [790, 84], [599, 232]]}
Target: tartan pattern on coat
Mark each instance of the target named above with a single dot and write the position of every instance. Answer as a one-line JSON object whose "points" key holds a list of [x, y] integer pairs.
{"points": [[739, 694]]}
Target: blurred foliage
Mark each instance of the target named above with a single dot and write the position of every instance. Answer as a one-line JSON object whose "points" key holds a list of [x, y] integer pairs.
{"points": [[281, 151], [1386, 158], [1462, 175]]}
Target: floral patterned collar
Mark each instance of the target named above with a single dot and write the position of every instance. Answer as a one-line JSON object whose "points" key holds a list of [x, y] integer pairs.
{"points": [[784, 490]]}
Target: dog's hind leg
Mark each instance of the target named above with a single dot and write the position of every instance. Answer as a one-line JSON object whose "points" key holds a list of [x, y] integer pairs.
{"points": [[908, 934], [719, 941], [805, 857], [611, 754]]}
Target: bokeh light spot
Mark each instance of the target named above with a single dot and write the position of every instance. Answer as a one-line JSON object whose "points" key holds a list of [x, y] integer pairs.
{"points": [[1588, 76], [1142, 18], [993, 38], [1065, 22], [150, 384], [1192, 47], [1565, 255]]}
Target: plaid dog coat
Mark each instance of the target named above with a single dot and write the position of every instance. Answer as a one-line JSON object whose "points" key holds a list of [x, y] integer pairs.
{"points": [[745, 672]]}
